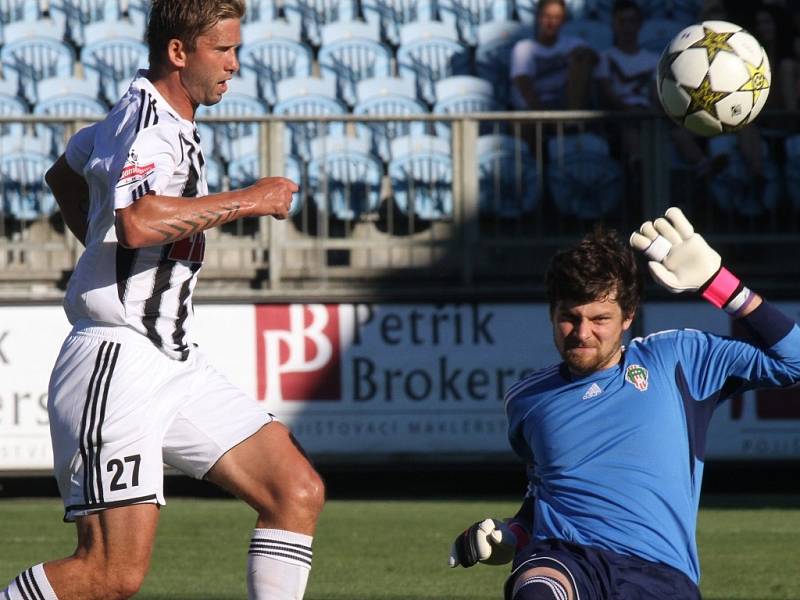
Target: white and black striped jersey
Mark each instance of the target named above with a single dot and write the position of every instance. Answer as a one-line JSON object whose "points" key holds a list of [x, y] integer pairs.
{"points": [[141, 147]]}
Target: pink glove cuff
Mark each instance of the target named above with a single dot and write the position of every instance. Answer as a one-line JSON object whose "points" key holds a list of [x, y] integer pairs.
{"points": [[721, 288]]}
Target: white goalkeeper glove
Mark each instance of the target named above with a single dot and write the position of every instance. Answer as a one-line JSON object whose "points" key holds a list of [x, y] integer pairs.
{"points": [[681, 260], [489, 541]]}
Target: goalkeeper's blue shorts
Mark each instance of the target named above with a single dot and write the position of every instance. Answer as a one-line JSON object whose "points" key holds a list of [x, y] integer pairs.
{"points": [[597, 573]]}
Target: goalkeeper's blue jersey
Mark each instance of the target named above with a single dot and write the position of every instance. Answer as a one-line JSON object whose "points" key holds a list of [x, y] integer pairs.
{"points": [[618, 455]]}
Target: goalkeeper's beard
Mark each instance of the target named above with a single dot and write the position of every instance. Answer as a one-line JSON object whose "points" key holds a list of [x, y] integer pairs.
{"points": [[585, 359]]}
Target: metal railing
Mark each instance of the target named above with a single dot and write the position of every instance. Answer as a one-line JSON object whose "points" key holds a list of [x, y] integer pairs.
{"points": [[468, 252]]}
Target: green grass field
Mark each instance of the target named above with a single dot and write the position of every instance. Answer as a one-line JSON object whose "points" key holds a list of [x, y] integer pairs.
{"points": [[375, 550]]}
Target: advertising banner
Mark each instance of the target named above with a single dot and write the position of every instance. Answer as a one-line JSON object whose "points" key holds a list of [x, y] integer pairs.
{"points": [[370, 382]]}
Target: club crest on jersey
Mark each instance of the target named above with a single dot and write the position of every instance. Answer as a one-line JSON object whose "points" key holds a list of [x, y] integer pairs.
{"points": [[637, 376], [132, 171]]}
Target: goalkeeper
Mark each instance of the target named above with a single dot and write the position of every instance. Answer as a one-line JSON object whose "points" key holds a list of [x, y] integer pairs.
{"points": [[615, 435]]}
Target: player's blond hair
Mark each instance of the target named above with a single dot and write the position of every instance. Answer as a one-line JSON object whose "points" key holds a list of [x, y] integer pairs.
{"points": [[185, 20]]}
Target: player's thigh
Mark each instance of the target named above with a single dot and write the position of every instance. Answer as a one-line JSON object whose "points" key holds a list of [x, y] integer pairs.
{"points": [[106, 423]]}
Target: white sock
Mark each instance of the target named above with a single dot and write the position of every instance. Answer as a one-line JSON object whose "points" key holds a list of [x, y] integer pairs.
{"points": [[278, 564], [30, 585]]}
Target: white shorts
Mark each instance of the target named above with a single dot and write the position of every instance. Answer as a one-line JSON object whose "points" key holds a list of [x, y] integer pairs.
{"points": [[119, 409]]}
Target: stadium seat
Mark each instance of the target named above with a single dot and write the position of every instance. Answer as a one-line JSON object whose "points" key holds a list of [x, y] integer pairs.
{"points": [[33, 53], [11, 105], [468, 15], [214, 174], [309, 97], [274, 53], [114, 53], [246, 170], [23, 162], [351, 52], [594, 32], [387, 96], [507, 181], [261, 11], [657, 33], [344, 178], [30, 11], [735, 190], [493, 53], [390, 15], [582, 178], [77, 14], [686, 11], [227, 141], [462, 94], [430, 51], [66, 97], [312, 15], [421, 172], [137, 11]]}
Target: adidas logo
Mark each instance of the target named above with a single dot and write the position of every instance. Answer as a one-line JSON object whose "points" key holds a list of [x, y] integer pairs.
{"points": [[594, 390]]}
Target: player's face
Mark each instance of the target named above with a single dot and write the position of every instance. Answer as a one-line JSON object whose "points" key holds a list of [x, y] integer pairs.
{"points": [[212, 63], [589, 336], [549, 22]]}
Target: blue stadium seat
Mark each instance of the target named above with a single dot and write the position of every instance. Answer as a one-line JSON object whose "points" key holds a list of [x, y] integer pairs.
{"points": [[656, 33], [508, 184], [138, 11], [421, 171], [261, 11], [686, 11], [594, 32], [227, 141], [23, 162], [77, 14], [309, 97], [30, 11], [344, 178], [33, 52], [66, 97], [214, 174], [493, 53], [735, 190], [246, 170], [582, 178], [462, 94], [430, 51], [114, 53], [312, 15], [467, 15], [390, 15], [11, 106], [351, 52], [274, 53], [387, 96]]}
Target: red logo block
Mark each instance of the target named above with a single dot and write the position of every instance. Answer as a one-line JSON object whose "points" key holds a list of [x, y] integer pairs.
{"points": [[298, 352]]}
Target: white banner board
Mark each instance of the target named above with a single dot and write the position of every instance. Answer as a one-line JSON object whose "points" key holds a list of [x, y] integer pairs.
{"points": [[369, 382]]}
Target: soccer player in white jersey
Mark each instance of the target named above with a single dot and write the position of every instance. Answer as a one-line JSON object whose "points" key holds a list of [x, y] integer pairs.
{"points": [[615, 435], [129, 390]]}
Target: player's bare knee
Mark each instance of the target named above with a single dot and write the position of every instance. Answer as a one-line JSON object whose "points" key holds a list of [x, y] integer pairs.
{"points": [[122, 583], [304, 495]]}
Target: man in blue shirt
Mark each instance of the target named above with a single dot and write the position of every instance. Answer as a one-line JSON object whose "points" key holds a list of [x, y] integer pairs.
{"points": [[614, 435]]}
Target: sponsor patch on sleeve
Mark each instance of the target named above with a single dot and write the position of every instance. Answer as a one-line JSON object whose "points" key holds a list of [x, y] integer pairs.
{"points": [[133, 171]]}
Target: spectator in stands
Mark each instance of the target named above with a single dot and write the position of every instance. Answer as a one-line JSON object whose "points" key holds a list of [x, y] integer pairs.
{"points": [[551, 71], [626, 74]]}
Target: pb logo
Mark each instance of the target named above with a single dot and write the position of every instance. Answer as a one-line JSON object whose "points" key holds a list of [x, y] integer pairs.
{"points": [[298, 352]]}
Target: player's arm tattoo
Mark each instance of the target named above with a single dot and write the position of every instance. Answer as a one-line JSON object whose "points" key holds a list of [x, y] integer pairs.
{"points": [[183, 226]]}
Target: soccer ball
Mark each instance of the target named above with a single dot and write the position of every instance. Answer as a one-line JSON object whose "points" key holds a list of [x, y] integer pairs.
{"points": [[713, 77]]}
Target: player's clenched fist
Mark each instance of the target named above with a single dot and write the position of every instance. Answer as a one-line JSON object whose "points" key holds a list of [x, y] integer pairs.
{"points": [[272, 196], [681, 260], [489, 541]]}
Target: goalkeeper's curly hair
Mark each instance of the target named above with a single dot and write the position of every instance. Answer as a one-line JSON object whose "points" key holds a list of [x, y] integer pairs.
{"points": [[600, 266], [185, 20]]}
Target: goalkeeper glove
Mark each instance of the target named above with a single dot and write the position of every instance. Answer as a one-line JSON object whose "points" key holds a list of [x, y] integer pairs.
{"points": [[489, 541], [681, 260]]}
